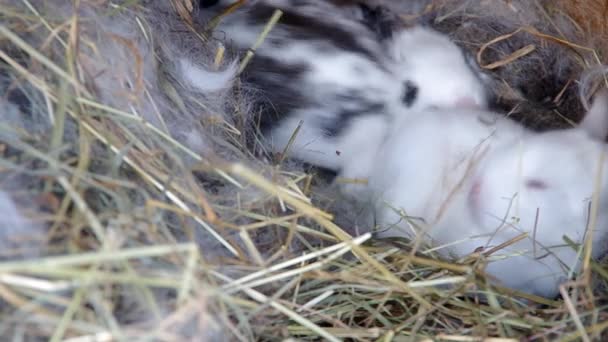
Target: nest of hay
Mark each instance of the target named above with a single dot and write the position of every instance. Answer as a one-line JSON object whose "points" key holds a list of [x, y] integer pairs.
{"points": [[134, 209]]}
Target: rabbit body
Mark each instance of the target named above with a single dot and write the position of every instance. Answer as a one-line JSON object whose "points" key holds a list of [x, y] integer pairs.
{"points": [[472, 180], [332, 65]]}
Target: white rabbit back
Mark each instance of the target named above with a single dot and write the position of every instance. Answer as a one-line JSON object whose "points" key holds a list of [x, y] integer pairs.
{"points": [[426, 157]]}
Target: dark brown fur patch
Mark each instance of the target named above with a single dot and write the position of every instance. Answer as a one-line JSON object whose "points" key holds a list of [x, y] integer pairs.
{"points": [[277, 88], [302, 27]]}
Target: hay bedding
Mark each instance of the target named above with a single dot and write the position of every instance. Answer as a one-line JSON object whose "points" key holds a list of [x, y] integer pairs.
{"points": [[131, 204]]}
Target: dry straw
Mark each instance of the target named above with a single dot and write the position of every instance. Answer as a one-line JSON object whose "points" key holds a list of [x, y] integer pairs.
{"points": [[143, 274]]}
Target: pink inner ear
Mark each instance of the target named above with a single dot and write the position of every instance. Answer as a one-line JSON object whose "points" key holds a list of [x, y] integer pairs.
{"points": [[536, 184], [475, 203], [474, 194]]}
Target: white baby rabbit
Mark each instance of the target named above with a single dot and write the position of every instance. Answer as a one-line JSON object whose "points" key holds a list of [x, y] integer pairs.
{"points": [[471, 180], [338, 72]]}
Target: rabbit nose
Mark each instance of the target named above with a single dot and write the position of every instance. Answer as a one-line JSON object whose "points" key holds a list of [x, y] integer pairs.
{"points": [[467, 102]]}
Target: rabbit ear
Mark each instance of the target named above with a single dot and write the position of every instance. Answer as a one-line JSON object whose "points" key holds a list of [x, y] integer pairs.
{"points": [[596, 119]]}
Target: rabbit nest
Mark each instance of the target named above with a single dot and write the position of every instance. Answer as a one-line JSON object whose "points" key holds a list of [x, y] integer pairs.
{"points": [[136, 209]]}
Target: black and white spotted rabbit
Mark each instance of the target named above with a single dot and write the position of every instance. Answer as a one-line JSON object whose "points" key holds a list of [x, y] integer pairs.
{"points": [[343, 69]]}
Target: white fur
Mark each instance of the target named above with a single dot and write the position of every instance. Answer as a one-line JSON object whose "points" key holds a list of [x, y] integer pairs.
{"points": [[18, 230], [359, 141], [206, 80], [478, 179], [11, 221]]}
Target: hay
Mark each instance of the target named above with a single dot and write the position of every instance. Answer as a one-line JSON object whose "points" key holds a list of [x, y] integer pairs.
{"points": [[122, 220], [538, 87]]}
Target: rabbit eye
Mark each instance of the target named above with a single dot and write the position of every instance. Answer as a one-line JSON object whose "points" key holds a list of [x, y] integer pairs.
{"points": [[536, 184], [410, 92]]}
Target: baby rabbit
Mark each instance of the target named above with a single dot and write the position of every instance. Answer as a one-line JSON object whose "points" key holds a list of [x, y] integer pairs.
{"points": [[470, 180], [341, 69]]}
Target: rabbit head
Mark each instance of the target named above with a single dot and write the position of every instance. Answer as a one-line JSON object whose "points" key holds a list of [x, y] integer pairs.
{"points": [[435, 71], [517, 182], [545, 182]]}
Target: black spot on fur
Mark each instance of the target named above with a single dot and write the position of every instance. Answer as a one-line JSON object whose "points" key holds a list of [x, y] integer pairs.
{"points": [[208, 3], [345, 117], [19, 98], [13, 93], [276, 42], [379, 20], [276, 88], [302, 27], [351, 104], [410, 93]]}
